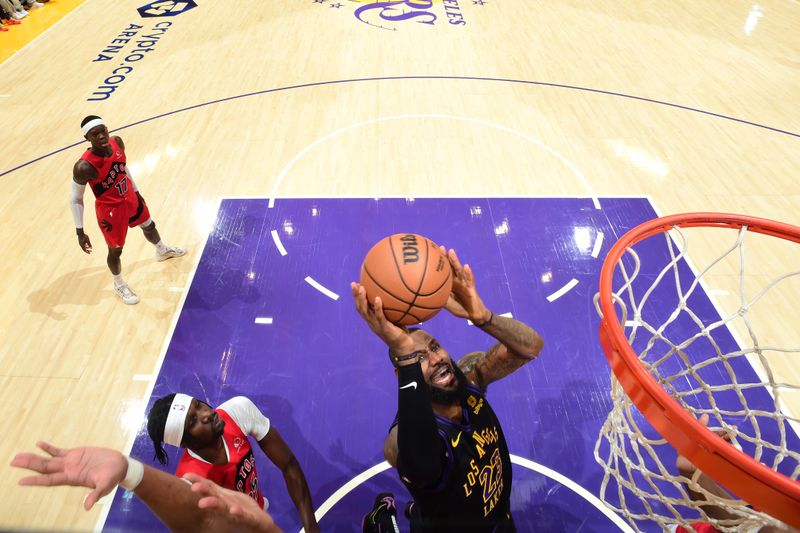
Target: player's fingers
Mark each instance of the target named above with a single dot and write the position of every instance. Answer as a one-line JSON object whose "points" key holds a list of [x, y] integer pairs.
{"points": [[211, 502], [201, 485], [55, 479], [378, 305], [470, 278], [704, 419], [454, 261], [92, 498], [55, 451], [194, 478], [36, 463], [360, 300]]}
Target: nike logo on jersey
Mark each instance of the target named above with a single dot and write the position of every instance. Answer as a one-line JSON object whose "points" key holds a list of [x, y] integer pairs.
{"points": [[412, 385], [456, 440]]}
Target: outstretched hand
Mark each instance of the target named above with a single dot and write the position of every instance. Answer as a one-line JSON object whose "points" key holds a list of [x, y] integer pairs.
{"points": [[395, 337], [100, 469], [232, 506], [464, 301]]}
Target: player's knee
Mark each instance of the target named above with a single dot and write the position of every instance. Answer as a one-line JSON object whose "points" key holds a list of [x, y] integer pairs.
{"points": [[148, 226]]}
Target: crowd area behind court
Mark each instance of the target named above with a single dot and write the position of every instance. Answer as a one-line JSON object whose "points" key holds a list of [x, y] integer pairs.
{"points": [[13, 11]]}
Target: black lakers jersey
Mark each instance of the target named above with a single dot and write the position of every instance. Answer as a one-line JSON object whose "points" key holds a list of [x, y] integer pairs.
{"points": [[475, 490]]}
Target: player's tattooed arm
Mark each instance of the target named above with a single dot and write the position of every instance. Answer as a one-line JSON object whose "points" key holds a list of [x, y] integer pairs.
{"points": [[519, 344]]}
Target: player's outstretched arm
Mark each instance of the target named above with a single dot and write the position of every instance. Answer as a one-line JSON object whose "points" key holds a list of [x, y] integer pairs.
{"points": [[518, 342], [418, 451], [230, 510], [281, 456], [101, 469]]}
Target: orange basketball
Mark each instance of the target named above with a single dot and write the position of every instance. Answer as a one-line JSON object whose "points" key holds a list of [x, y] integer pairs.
{"points": [[410, 274]]}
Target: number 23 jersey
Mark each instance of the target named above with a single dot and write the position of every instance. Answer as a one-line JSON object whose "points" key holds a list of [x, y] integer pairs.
{"points": [[475, 490]]}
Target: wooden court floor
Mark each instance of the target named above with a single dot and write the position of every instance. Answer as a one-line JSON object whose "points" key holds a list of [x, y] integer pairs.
{"points": [[695, 105]]}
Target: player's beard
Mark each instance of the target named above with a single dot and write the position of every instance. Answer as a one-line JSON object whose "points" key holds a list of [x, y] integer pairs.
{"points": [[449, 397]]}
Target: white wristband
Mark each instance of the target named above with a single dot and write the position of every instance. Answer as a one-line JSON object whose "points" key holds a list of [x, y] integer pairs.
{"points": [[134, 475]]}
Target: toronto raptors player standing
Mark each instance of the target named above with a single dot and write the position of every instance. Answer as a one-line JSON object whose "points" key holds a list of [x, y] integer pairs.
{"points": [[118, 204]]}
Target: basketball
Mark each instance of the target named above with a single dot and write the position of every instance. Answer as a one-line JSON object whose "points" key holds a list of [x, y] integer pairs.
{"points": [[410, 274]]}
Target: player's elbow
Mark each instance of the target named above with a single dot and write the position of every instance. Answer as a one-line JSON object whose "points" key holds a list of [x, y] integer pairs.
{"points": [[534, 348]]}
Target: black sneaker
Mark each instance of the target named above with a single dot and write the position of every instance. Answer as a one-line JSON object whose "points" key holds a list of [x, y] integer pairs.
{"points": [[383, 516]]}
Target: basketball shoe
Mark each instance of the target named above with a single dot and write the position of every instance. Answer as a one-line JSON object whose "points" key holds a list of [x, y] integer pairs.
{"points": [[382, 517], [170, 252], [126, 294]]}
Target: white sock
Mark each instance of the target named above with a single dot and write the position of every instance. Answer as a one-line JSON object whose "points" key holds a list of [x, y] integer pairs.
{"points": [[161, 247], [118, 281]]}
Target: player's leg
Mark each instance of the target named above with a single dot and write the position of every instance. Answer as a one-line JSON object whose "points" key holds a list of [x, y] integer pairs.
{"points": [[114, 228], [163, 251], [141, 218]]}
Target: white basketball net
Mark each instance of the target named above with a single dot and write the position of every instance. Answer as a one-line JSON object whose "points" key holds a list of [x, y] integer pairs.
{"points": [[692, 357]]}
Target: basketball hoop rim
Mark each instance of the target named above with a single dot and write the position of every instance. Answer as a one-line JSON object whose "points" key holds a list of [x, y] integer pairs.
{"points": [[752, 481]]}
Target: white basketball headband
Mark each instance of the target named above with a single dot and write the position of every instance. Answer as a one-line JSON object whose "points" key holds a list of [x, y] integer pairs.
{"points": [[176, 418], [91, 124]]}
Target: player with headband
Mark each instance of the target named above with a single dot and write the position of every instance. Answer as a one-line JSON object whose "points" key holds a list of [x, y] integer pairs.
{"points": [[118, 204], [217, 447]]}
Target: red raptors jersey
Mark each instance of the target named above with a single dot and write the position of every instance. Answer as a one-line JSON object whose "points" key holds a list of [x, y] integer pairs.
{"points": [[238, 474], [111, 184]]}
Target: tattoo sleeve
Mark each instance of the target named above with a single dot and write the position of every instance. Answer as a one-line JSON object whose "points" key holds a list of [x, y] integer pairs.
{"points": [[519, 344]]}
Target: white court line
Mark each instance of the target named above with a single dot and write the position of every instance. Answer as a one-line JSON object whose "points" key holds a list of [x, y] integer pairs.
{"points": [[521, 461], [528, 138], [562, 291], [598, 244], [277, 239], [264, 320], [345, 489], [507, 315], [317, 285], [574, 487]]}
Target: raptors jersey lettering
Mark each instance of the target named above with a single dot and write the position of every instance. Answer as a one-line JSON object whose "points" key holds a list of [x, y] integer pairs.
{"points": [[111, 184], [238, 474], [474, 493]]}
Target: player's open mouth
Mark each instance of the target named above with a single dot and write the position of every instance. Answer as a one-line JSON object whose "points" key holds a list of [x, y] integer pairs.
{"points": [[442, 376]]}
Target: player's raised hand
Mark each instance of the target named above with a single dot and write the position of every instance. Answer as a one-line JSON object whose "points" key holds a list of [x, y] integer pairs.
{"points": [[464, 301], [100, 469], [395, 337]]}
